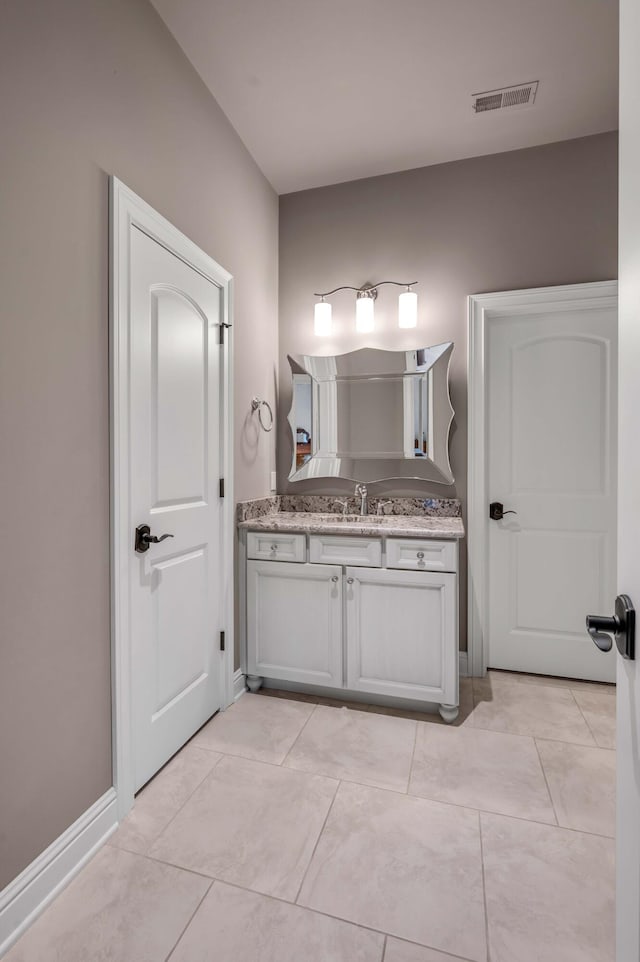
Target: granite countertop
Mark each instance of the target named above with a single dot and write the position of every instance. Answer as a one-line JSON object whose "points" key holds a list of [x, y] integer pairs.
{"points": [[403, 526]]}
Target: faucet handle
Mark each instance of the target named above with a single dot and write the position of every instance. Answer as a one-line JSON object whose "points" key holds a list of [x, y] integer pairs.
{"points": [[343, 504], [381, 506]]}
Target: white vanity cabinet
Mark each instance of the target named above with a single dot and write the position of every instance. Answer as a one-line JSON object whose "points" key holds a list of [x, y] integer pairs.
{"points": [[381, 618], [294, 622], [401, 634]]}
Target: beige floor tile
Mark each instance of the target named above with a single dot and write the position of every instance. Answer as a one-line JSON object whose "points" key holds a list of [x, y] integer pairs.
{"points": [[121, 907], [582, 782], [233, 925], [599, 711], [398, 951], [163, 798], [401, 865], [487, 770], [532, 710], [256, 727], [357, 746], [251, 824], [550, 892]]}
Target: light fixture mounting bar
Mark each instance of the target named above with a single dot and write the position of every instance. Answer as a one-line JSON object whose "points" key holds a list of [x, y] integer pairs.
{"points": [[367, 288]]}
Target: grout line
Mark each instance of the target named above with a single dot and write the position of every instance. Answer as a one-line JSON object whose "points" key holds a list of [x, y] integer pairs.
{"points": [[484, 891], [546, 781], [152, 842], [549, 738], [295, 740], [182, 868], [592, 733], [413, 757], [430, 798], [340, 918], [190, 920], [320, 833]]}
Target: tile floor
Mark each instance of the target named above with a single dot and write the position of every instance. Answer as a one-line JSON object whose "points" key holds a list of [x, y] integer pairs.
{"points": [[296, 830]]}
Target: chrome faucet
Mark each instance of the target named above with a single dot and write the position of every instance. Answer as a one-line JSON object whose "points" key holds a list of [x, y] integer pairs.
{"points": [[361, 492], [343, 504]]}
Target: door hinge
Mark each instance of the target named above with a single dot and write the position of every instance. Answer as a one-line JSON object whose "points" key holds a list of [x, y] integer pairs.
{"points": [[223, 324], [222, 487], [222, 648]]}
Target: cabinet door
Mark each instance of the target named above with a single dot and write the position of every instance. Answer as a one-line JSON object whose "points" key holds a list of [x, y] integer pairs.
{"points": [[294, 622], [402, 634]]}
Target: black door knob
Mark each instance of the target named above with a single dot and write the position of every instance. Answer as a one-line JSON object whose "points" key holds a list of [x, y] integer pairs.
{"points": [[497, 512], [144, 538], [622, 626]]}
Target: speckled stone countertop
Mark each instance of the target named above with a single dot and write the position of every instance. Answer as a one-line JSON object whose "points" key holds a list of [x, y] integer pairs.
{"points": [[394, 525]]}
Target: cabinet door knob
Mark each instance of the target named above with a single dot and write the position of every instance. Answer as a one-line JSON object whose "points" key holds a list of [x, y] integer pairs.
{"points": [[334, 579], [349, 581], [274, 547], [421, 555]]}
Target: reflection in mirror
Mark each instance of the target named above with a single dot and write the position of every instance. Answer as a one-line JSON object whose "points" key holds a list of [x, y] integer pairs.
{"points": [[372, 415]]}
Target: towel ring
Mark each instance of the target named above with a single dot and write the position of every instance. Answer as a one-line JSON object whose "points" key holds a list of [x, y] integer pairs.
{"points": [[256, 405]]}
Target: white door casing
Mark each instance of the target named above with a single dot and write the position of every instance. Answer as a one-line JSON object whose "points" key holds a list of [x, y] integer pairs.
{"points": [[170, 445], [542, 410], [628, 680]]}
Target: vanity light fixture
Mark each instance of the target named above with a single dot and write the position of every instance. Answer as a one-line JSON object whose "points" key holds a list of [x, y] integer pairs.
{"points": [[365, 297], [322, 318], [408, 309]]}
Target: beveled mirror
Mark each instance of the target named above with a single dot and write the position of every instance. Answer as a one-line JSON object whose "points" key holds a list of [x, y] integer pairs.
{"points": [[372, 415]]}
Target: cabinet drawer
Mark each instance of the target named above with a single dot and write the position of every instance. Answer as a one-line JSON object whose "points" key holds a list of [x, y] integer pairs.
{"points": [[411, 554], [332, 549], [271, 546]]}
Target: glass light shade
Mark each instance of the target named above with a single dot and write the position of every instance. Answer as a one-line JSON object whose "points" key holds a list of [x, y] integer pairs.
{"points": [[408, 309], [364, 314], [322, 319]]}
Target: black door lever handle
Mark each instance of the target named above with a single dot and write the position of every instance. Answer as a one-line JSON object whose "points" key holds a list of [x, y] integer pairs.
{"points": [[497, 512], [144, 538], [621, 627]]}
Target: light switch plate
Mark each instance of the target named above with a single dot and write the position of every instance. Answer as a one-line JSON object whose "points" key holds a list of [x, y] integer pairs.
{"points": [[274, 482]]}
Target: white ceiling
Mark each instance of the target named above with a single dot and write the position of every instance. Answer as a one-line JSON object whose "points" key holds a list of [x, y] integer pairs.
{"points": [[334, 90]]}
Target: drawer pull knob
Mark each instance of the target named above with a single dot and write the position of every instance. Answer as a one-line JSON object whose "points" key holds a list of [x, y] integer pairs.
{"points": [[334, 579], [349, 581], [274, 547], [421, 555]]}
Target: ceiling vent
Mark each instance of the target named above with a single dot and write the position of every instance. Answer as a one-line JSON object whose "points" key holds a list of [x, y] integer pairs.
{"points": [[521, 95]]}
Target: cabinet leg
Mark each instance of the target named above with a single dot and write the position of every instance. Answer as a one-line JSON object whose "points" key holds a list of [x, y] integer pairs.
{"points": [[254, 683], [449, 713]]}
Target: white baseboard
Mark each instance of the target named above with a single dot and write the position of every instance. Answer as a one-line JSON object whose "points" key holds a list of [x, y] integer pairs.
{"points": [[239, 686], [30, 893], [464, 663]]}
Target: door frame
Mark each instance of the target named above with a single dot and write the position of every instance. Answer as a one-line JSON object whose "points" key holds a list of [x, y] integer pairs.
{"points": [[482, 310], [127, 210]]}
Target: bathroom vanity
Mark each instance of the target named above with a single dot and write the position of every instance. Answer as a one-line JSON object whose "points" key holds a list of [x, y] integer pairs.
{"points": [[364, 605], [353, 605]]}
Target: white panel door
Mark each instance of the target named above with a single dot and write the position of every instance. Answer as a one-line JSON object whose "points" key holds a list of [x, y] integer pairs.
{"points": [[551, 424], [402, 636], [628, 688], [294, 622], [174, 457]]}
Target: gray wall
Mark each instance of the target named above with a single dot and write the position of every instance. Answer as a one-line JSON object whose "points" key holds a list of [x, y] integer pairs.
{"points": [[89, 88], [529, 218]]}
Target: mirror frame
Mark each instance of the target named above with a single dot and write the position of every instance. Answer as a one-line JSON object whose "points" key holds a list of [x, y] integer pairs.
{"points": [[372, 470]]}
